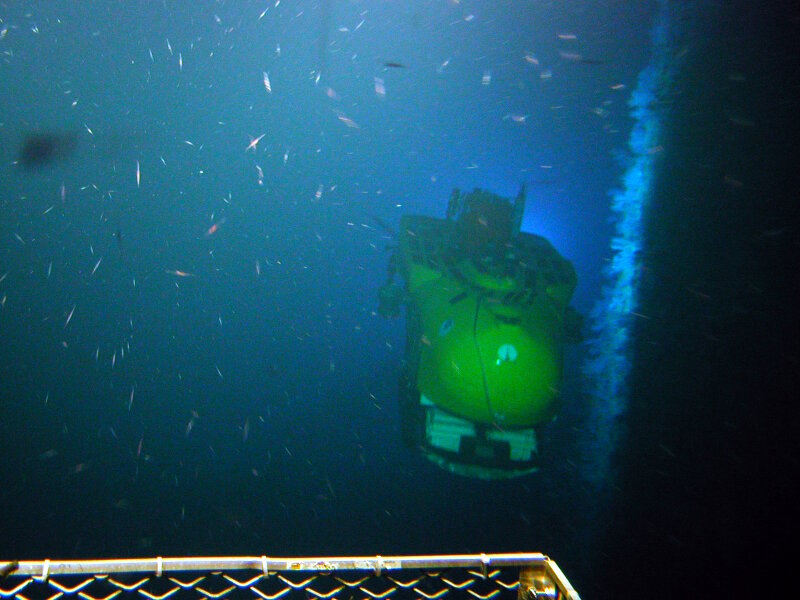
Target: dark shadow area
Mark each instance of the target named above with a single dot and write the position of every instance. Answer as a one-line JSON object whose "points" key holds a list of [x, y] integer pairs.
{"points": [[38, 150]]}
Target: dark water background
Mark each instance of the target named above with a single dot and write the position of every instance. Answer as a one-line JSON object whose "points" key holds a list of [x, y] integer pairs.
{"points": [[275, 331]]}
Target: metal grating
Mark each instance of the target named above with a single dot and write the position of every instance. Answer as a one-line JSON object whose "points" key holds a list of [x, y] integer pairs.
{"points": [[476, 577]]}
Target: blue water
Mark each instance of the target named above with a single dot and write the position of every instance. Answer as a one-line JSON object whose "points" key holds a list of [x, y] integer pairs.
{"points": [[262, 386], [191, 361]]}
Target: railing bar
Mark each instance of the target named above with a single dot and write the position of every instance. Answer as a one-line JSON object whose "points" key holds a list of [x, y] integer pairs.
{"points": [[562, 583], [232, 563]]}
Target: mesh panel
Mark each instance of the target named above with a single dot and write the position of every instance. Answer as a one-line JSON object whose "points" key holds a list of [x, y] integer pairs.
{"points": [[481, 577]]}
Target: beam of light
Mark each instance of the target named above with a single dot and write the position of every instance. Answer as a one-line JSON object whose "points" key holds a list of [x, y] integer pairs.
{"points": [[609, 359]]}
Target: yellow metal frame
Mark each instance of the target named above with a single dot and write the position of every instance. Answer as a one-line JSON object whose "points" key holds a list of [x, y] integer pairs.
{"points": [[539, 575]]}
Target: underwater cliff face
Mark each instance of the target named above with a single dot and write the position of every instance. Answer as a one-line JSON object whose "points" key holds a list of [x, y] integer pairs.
{"points": [[709, 457]]}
